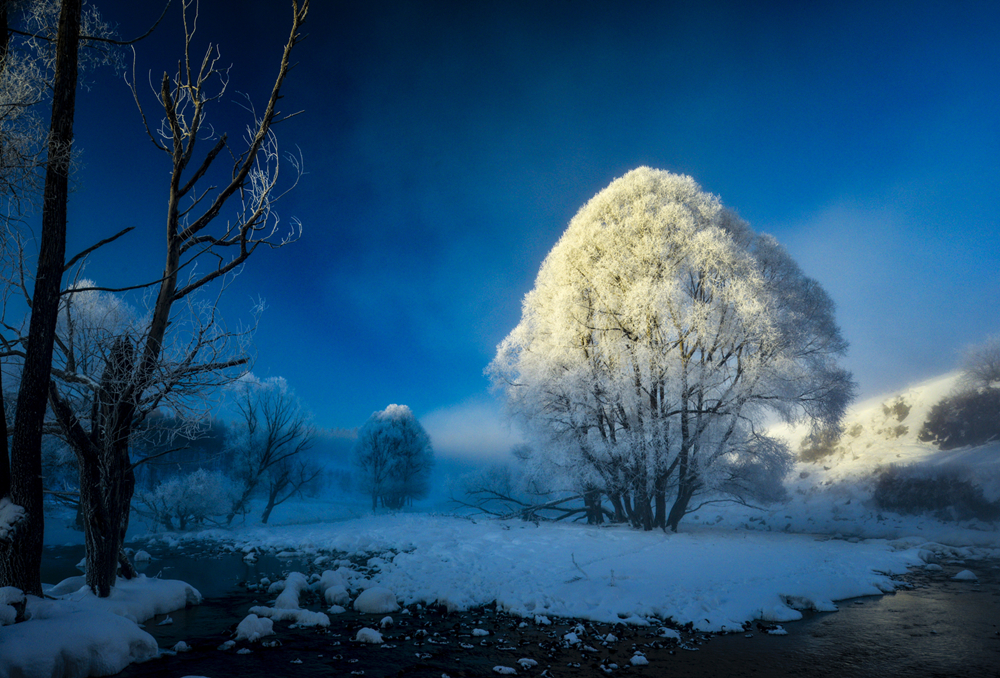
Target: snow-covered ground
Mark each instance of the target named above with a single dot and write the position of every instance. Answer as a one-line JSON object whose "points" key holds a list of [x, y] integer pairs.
{"points": [[73, 633], [727, 565], [714, 579]]}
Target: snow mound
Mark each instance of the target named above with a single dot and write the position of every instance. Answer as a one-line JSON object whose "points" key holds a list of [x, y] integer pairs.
{"points": [[253, 628], [295, 584], [9, 597], [966, 575], [78, 634], [376, 600], [333, 585], [74, 642], [296, 616], [367, 635]]}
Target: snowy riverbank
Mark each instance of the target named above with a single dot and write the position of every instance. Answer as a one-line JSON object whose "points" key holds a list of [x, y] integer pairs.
{"points": [[715, 579]]}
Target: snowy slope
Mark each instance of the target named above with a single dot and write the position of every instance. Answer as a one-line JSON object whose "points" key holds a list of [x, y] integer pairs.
{"points": [[879, 431], [832, 494]]}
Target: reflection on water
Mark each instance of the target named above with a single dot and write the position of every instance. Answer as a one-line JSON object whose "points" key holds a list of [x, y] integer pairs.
{"points": [[214, 574]]}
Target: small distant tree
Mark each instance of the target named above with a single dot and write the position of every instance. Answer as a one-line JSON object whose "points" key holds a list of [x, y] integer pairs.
{"points": [[393, 457], [193, 498], [970, 415], [981, 364], [266, 444]]}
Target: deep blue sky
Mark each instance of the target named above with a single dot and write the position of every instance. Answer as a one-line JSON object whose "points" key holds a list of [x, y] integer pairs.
{"points": [[448, 144]]}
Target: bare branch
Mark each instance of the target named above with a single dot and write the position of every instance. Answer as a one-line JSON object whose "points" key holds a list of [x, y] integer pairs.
{"points": [[96, 246]]}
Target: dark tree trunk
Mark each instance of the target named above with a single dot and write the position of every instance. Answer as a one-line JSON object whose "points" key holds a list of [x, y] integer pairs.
{"points": [[643, 514], [21, 556], [272, 497], [660, 502], [4, 458], [679, 509], [685, 490], [107, 480], [592, 500], [616, 502], [629, 511]]}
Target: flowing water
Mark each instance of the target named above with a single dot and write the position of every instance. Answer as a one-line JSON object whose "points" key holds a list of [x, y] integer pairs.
{"points": [[939, 627]]}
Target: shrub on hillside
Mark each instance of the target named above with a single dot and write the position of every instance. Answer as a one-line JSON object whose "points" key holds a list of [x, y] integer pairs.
{"points": [[967, 418], [940, 492], [819, 444]]}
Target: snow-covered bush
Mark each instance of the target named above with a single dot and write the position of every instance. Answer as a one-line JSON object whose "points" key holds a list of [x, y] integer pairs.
{"points": [[193, 498], [819, 444], [942, 492]]}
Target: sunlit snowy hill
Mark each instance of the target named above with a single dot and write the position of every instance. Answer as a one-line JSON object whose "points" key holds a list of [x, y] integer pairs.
{"points": [[831, 485]]}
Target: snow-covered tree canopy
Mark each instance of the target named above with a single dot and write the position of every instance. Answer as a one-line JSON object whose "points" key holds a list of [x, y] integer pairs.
{"points": [[393, 456], [661, 331]]}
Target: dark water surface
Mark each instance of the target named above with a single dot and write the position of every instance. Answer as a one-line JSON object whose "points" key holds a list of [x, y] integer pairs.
{"points": [[940, 627]]}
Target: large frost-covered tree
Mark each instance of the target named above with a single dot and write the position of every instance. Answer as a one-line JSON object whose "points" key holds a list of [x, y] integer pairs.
{"points": [[393, 457], [660, 334]]}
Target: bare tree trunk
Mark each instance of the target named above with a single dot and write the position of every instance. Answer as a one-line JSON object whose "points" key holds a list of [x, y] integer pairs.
{"points": [[271, 496], [4, 457], [685, 490], [107, 479], [592, 500], [21, 557], [685, 479], [616, 502], [660, 501]]}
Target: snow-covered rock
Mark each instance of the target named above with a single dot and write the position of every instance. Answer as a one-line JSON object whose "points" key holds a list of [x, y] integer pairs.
{"points": [[296, 616], [639, 659], [966, 575], [376, 600], [9, 597], [295, 584], [253, 628], [367, 635]]}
